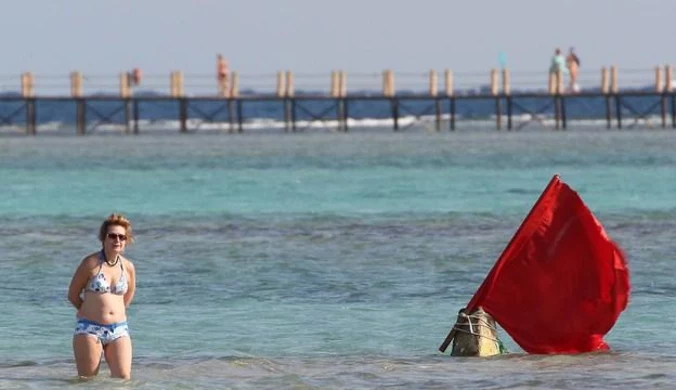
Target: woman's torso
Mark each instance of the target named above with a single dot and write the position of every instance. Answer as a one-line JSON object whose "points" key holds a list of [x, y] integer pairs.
{"points": [[572, 65], [103, 299], [558, 64]]}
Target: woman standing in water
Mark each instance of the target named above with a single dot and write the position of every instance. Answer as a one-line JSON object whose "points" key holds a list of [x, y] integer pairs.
{"points": [[101, 290]]}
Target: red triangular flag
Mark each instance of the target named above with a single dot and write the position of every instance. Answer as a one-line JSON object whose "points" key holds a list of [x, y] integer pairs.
{"points": [[561, 283]]}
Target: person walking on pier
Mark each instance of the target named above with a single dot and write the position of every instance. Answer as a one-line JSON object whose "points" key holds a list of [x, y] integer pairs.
{"points": [[223, 75], [573, 64]]}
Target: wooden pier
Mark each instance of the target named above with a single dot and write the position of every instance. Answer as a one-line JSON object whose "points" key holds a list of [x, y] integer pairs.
{"points": [[441, 105]]}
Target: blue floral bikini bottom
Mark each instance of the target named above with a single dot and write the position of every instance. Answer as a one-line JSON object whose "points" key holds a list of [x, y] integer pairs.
{"points": [[106, 333]]}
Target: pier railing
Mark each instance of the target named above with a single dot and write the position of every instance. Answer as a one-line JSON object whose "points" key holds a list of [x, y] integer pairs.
{"points": [[334, 83]]}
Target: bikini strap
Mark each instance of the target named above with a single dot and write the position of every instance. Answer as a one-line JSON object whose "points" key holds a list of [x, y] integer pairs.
{"points": [[102, 257]]}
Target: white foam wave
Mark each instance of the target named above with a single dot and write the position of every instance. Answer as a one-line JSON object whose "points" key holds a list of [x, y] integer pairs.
{"points": [[427, 122]]}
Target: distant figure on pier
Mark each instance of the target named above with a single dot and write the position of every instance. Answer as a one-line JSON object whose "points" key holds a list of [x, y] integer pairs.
{"points": [[573, 64], [134, 77], [558, 63], [223, 75], [557, 69]]}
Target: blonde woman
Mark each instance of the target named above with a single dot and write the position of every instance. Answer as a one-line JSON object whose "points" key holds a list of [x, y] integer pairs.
{"points": [[101, 290]]}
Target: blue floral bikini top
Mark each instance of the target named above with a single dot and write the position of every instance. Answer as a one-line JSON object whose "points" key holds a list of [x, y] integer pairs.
{"points": [[99, 284]]}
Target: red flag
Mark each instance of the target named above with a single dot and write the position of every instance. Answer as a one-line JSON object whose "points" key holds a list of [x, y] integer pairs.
{"points": [[561, 283]]}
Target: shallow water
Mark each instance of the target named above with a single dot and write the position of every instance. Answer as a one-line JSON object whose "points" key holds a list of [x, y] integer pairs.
{"points": [[322, 260]]}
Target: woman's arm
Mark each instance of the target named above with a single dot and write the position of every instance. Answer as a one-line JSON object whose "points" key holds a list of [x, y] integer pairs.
{"points": [[129, 296], [78, 283]]}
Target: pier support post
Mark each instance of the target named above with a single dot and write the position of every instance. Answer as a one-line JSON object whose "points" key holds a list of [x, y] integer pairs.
{"points": [[240, 117], [342, 101], [388, 83], [558, 101], [605, 89], [31, 116], [293, 113], [281, 94], [231, 115], [172, 85], [434, 93], [289, 113], [76, 92], [180, 83], [232, 102], [615, 90], [507, 92], [438, 110], [450, 93], [179, 93], [183, 113], [81, 112], [669, 89], [28, 85], [661, 90], [128, 115], [136, 117], [618, 110], [673, 110], [390, 92], [495, 91], [451, 121], [395, 112], [290, 93], [510, 109], [334, 84], [125, 94], [28, 93], [556, 89], [346, 114], [335, 93], [125, 89], [76, 84]]}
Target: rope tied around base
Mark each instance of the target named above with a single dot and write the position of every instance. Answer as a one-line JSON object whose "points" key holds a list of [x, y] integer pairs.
{"points": [[480, 322]]}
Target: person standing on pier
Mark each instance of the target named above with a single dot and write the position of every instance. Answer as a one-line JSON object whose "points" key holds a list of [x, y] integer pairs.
{"points": [[558, 63], [573, 64], [556, 70], [223, 75]]}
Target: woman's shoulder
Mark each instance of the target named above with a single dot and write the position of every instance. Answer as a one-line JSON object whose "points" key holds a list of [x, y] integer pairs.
{"points": [[90, 262], [92, 259], [127, 263]]}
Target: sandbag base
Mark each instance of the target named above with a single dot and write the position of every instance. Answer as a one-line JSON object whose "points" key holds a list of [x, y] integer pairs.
{"points": [[476, 335]]}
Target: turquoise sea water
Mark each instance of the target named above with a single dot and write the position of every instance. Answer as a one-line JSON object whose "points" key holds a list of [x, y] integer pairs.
{"points": [[322, 260]]}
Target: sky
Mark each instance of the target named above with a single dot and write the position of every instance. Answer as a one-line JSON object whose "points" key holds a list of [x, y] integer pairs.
{"points": [[317, 36]]}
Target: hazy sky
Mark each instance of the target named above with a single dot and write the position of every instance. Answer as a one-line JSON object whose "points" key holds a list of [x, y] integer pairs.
{"points": [[316, 36]]}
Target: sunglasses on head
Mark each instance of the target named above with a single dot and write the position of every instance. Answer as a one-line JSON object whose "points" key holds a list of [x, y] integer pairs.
{"points": [[113, 236]]}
